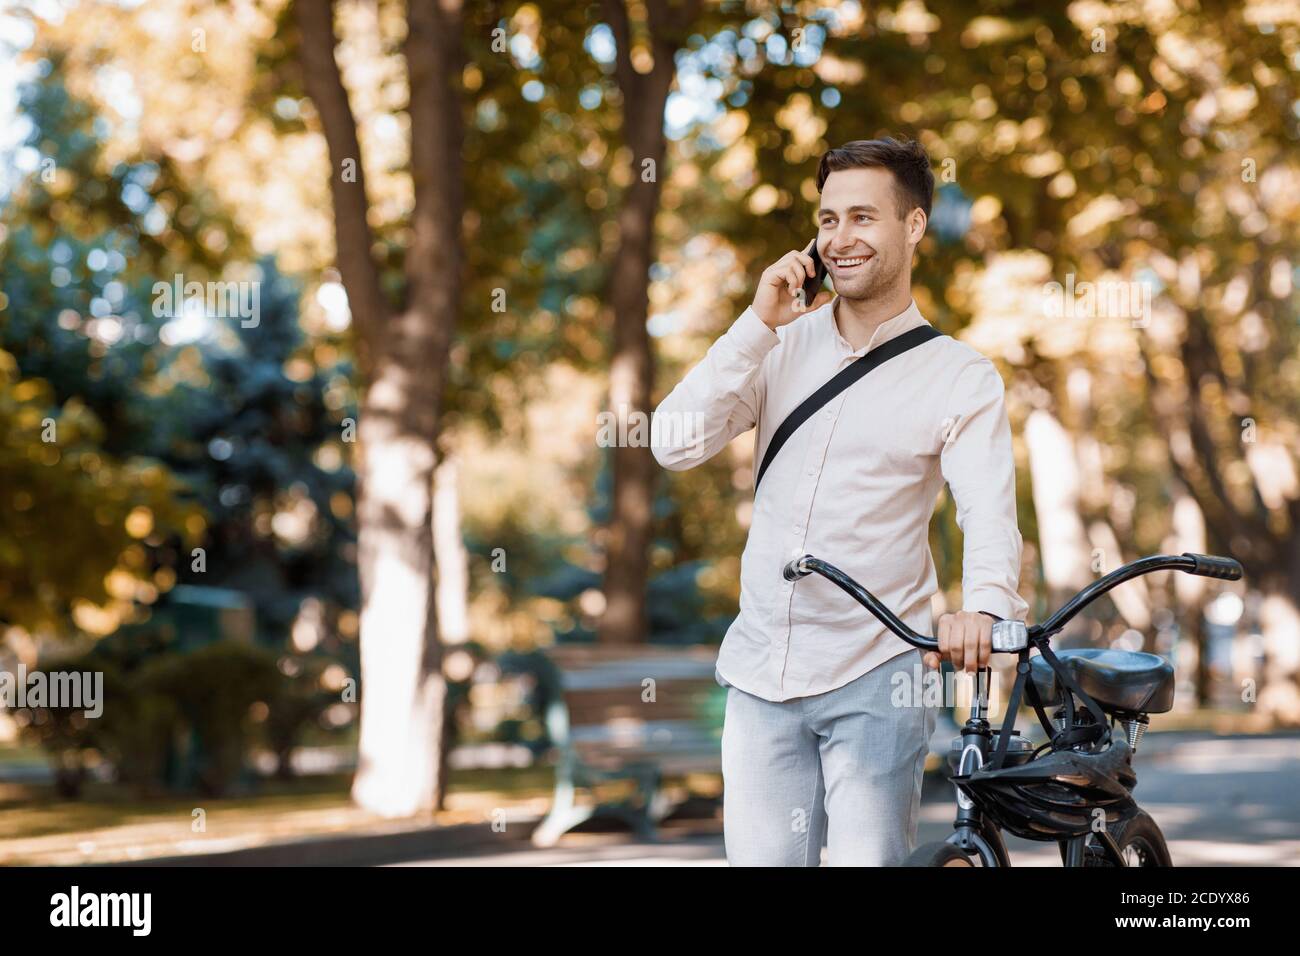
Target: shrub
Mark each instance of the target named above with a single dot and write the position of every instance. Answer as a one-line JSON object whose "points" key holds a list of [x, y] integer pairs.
{"points": [[214, 689]]}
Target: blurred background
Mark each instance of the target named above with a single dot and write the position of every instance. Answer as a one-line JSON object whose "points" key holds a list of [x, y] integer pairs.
{"points": [[326, 332]]}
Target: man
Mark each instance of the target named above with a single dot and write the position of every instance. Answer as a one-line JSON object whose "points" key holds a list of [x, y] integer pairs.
{"points": [[817, 743]]}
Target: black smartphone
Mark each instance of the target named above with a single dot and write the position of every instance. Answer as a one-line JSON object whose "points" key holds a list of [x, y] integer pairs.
{"points": [[814, 285]]}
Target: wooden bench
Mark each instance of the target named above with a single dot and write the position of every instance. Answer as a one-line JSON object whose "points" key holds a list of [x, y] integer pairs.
{"points": [[638, 712]]}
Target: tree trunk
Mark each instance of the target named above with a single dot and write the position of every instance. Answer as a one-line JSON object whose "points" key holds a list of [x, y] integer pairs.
{"points": [[403, 690], [627, 535], [1054, 473], [449, 549], [453, 581], [1190, 591], [404, 362], [1279, 623]]}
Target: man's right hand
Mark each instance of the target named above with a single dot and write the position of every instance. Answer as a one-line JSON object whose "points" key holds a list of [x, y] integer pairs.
{"points": [[779, 299]]}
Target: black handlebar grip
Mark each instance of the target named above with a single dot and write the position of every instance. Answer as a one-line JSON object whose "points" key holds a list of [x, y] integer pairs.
{"points": [[792, 571], [1213, 566]]}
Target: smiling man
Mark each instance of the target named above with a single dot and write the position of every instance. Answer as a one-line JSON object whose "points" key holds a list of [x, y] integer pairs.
{"points": [[818, 744]]}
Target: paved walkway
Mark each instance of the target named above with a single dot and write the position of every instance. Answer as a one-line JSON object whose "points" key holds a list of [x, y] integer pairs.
{"points": [[1221, 801]]}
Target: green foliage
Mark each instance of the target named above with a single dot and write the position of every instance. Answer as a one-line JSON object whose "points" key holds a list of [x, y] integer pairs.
{"points": [[133, 731], [171, 717], [215, 687], [297, 703], [202, 418], [67, 734], [75, 413], [141, 736], [64, 504], [251, 441]]}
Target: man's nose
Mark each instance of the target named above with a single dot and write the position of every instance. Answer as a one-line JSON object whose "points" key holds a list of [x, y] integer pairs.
{"points": [[841, 242]]}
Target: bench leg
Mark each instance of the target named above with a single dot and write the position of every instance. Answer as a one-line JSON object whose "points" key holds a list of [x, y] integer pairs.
{"points": [[641, 814], [661, 805], [652, 805], [565, 814]]}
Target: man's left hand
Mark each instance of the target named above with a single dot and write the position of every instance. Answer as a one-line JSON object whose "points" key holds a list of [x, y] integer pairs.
{"points": [[966, 639]]}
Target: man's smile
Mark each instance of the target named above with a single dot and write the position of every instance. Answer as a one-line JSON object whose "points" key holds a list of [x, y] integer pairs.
{"points": [[850, 263]]}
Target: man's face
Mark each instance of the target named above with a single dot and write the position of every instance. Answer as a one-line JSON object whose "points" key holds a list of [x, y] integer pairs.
{"points": [[867, 248]]}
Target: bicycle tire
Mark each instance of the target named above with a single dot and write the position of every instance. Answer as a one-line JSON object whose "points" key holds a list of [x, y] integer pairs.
{"points": [[939, 854], [1139, 840]]}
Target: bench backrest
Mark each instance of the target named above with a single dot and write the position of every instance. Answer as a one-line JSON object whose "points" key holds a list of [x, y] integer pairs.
{"points": [[630, 702]]}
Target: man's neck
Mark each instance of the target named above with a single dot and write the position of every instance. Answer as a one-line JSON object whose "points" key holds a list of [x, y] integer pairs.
{"points": [[858, 319]]}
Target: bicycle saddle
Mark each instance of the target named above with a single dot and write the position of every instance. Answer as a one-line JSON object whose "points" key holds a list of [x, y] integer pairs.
{"points": [[1127, 681]]}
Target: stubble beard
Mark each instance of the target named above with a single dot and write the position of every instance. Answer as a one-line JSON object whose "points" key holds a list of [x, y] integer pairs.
{"points": [[872, 285]]}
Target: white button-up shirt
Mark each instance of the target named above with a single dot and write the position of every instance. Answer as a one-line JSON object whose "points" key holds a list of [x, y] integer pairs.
{"points": [[855, 485]]}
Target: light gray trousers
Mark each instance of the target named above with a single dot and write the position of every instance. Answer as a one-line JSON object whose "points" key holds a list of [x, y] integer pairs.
{"points": [[843, 768]]}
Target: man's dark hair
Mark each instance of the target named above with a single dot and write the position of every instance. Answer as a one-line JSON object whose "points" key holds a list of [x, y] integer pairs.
{"points": [[908, 161]]}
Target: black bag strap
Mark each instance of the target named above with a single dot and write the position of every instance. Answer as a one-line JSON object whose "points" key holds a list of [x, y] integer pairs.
{"points": [[1013, 706], [842, 380], [1095, 732]]}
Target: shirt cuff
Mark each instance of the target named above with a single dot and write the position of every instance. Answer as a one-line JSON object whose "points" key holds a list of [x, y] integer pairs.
{"points": [[751, 334], [996, 603]]}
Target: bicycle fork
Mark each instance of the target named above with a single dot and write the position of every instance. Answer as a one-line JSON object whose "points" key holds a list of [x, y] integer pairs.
{"points": [[976, 743]]}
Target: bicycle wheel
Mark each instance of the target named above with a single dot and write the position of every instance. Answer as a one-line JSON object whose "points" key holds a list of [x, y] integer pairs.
{"points": [[939, 854], [1140, 843]]}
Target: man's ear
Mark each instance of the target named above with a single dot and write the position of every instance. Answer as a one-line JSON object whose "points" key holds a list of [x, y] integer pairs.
{"points": [[916, 225]]}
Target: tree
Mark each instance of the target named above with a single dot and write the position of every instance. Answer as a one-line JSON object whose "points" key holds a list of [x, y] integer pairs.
{"points": [[403, 352], [259, 439], [85, 490], [631, 371], [137, 435]]}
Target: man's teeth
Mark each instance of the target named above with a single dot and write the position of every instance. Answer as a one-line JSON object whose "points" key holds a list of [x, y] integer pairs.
{"points": [[851, 262]]}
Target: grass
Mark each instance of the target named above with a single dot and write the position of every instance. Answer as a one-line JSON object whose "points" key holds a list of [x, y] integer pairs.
{"points": [[111, 824]]}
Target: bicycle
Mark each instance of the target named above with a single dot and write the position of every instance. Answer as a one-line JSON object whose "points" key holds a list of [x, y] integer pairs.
{"points": [[1077, 788]]}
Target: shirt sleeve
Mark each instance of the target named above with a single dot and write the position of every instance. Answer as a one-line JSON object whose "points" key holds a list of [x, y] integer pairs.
{"points": [[979, 466], [717, 400]]}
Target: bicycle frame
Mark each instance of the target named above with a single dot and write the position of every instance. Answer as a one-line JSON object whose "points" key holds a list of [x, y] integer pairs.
{"points": [[973, 832]]}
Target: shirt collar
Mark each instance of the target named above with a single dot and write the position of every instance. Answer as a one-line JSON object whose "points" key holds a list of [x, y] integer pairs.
{"points": [[905, 321]]}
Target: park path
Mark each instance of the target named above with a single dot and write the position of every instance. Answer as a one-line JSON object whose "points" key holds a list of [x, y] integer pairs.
{"points": [[1221, 801]]}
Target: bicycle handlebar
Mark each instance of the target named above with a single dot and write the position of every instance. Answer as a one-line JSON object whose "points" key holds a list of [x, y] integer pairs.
{"points": [[801, 567], [1213, 566], [1205, 565]]}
